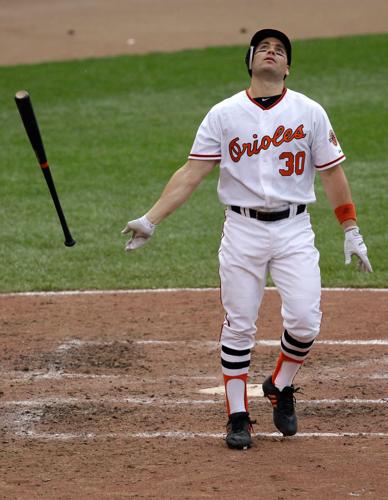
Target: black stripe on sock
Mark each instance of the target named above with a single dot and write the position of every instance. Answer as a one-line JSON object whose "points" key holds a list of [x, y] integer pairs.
{"points": [[291, 351], [234, 352], [235, 366], [296, 343]]}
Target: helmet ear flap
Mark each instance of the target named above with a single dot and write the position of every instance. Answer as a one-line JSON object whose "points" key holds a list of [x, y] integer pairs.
{"points": [[249, 59], [251, 49]]}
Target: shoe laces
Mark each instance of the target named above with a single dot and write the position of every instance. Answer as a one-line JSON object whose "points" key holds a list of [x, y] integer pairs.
{"points": [[251, 422], [287, 400], [241, 423]]}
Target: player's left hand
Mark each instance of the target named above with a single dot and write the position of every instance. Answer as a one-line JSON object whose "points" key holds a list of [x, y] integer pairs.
{"points": [[354, 245]]}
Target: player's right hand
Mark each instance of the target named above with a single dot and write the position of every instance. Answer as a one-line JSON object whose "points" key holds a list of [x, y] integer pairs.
{"points": [[142, 230]]}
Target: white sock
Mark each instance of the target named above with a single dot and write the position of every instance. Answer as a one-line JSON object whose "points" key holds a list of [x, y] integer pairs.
{"points": [[235, 392], [286, 374]]}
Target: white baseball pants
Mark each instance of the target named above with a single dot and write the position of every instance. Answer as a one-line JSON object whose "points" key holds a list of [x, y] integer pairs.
{"points": [[249, 250]]}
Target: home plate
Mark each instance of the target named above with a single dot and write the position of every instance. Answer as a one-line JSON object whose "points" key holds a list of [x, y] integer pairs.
{"points": [[254, 390]]}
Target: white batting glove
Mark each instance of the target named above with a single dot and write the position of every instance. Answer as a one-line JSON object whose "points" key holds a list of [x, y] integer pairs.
{"points": [[142, 230], [354, 245]]}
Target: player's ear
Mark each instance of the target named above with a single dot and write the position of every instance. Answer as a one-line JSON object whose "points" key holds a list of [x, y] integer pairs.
{"points": [[287, 71]]}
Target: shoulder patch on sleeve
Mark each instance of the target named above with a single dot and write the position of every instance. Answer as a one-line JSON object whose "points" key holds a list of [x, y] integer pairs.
{"points": [[333, 138]]}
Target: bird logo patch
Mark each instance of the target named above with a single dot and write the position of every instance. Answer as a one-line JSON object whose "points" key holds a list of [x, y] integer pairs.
{"points": [[333, 138]]}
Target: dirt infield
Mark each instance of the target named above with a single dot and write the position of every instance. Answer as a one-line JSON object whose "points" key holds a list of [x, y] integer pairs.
{"points": [[100, 399], [47, 30]]}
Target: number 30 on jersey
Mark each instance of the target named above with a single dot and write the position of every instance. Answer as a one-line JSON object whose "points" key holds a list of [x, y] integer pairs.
{"points": [[294, 164]]}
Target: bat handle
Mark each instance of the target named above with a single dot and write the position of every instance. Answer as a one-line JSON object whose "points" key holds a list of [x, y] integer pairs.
{"points": [[69, 242]]}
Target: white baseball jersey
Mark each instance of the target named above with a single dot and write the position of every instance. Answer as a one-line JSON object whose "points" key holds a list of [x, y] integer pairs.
{"points": [[268, 157]]}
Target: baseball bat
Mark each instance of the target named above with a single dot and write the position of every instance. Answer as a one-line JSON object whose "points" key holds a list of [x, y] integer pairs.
{"points": [[24, 105]]}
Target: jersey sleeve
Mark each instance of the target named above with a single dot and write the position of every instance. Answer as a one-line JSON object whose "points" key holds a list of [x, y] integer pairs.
{"points": [[207, 142], [326, 149]]}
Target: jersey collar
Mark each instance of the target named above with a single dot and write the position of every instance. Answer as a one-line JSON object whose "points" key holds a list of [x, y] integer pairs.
{"points": [[270, 107]]}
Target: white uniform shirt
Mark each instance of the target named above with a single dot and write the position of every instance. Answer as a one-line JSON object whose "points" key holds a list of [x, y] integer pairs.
{"points": [[268, 157]]}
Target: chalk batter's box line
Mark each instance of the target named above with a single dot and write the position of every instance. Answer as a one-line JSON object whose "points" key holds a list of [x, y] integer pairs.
{"points": [[161, 290], [77, 343], [22, 376], [135, 400], [179, 435], [52, 374]]}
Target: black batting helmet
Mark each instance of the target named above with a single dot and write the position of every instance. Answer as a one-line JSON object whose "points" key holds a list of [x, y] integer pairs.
{"points": [[258, 37]]}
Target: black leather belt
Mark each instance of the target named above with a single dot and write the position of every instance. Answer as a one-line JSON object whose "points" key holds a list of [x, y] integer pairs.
{"points": [[266, 216]]}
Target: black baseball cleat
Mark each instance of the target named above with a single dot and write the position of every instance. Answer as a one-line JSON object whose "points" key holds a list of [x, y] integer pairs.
{"points": [[238, 429], [283, 403]]}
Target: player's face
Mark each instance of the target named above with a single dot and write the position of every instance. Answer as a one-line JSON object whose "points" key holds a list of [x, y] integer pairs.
{"points": [[270, 56]]}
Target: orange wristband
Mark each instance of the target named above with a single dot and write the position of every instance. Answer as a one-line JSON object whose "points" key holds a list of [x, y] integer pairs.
{"points": [[345, 212]]}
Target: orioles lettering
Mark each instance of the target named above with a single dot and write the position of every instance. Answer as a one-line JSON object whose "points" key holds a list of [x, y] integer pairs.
{"points": [[281, 135]]}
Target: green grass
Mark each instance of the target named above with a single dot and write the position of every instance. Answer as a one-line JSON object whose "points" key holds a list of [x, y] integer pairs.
{"points": [[115, 129]]}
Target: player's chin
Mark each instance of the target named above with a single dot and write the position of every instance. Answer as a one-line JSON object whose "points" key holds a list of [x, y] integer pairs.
{"points": [[268, 71]]}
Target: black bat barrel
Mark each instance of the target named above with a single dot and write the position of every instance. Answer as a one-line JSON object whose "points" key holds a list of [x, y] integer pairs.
{"points": [[23, 102]]}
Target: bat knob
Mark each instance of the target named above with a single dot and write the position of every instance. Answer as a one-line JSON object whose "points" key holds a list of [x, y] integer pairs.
{"points": [[69, 243], [21, 94]]}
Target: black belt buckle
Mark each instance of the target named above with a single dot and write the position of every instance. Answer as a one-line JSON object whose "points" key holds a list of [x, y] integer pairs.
{"points": [[268, 216]]}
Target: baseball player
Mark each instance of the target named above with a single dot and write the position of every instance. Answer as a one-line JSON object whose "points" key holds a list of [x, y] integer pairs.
{"points": [[269, 142]]}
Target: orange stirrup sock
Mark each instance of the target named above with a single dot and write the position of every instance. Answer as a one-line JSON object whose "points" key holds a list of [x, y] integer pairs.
{"points": [[285, 371], [235, 366], [236, 393]]}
